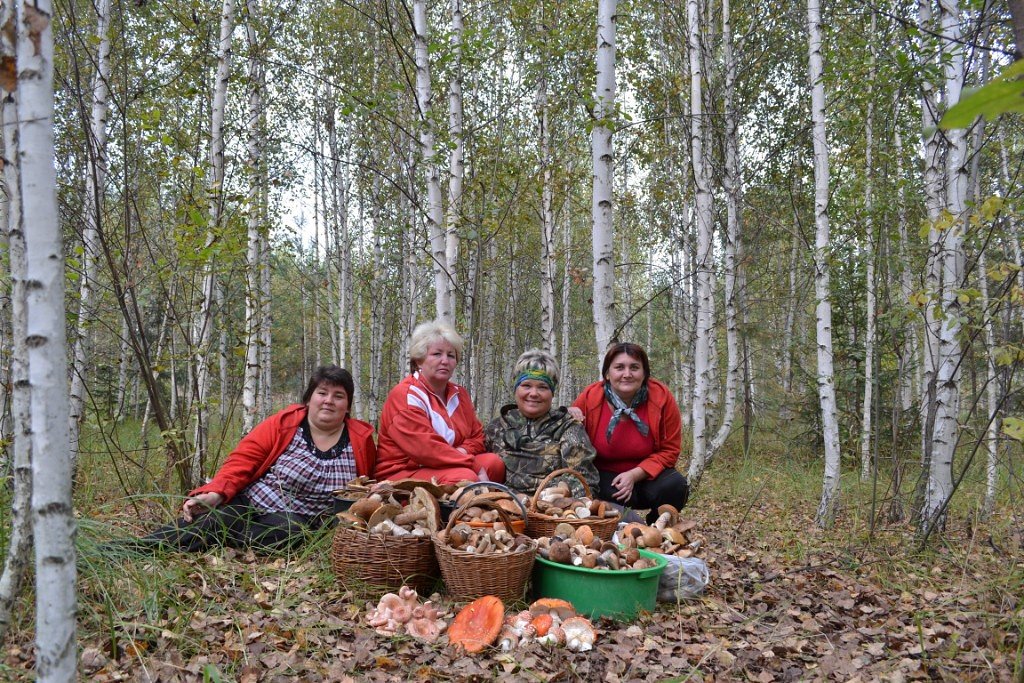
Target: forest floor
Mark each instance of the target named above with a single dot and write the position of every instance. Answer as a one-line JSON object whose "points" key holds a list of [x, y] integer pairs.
{"points": [[786, 602]]}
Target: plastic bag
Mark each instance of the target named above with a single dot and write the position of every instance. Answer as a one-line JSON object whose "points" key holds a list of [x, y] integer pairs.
{"points": [[683, 578]]}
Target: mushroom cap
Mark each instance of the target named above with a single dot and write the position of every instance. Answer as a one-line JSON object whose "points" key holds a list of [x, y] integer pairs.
{"points": [[559, 552], [553, 606], [414, 484], [478, 624], [423, 499], [584, 534], [579, 634], [564, 530], [364, 507], [674, 536], [651, 537], [386, 511], [348, 519]]}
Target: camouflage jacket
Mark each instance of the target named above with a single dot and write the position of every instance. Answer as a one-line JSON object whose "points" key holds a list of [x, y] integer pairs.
{"points": [[532, 449]]}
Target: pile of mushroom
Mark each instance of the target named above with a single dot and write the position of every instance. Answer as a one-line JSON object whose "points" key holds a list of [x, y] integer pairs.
{"points": [[484, 540], [549, 621], [669, 534], [557, 501], [402, 613], [581, 548], [385, 516]]}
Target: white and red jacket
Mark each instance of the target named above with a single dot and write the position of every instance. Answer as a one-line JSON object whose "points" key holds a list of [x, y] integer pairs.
{"points": [[418, 428]]}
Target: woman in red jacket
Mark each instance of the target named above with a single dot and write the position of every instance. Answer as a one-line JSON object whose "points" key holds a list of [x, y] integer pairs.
{"points": [[277, 483], [633, 422], [428, 428]]}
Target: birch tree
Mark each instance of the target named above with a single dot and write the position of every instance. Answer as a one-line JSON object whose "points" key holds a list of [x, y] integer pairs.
{"points": [[19, 542], [254, 255], [945, 430], [52, 519], [869, 335], [203, 325], [823, 302], [704, 222], [434, 210], [95, 181], [456, 158], [602, 209]]}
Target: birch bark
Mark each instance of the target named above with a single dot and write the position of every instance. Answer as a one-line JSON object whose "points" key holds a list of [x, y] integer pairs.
{"points": [[434, 213], [872, 249], [733, 193], [254, 255], [53, 521], [456, 159], [945, 431], [705, 257], [95, 180], [602, 151], [19, 543], [823, 304]]}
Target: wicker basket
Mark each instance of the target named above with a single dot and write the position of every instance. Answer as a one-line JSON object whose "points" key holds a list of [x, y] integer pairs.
{"points": [[469, 576], [539, 524], [389, 561]]}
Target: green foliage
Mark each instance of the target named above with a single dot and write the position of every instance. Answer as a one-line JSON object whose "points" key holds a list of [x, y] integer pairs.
{"points": [[1003, 94]]}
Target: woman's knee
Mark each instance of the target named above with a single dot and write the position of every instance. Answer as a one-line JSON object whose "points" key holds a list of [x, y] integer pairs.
{"points": [[491, 464]]}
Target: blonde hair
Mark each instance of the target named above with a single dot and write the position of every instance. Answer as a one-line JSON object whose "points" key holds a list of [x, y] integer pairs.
{"points": [[427, 334]]}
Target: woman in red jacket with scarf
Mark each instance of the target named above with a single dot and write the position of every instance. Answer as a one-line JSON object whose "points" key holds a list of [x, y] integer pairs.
{"points": [[634, 424], [278, 482]]}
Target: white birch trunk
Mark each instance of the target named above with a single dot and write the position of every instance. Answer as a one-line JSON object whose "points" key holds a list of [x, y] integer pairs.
{"points": [[19, 542], [872, 249], [991, 377], [547, 224], [6, 430], [203, 329], [254, 256], [434, 213], [705, 256], [733, 192], [603, 154], [563, 355], [456, 159], [932, 187], [788, 326], [95, 181], [823, 303], [945, 431], [909, 368], [53, 521]]}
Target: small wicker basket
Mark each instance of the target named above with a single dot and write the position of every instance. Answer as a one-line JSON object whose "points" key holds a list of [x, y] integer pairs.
{"points": [[391, 561], [469, 576], [538, 524]]}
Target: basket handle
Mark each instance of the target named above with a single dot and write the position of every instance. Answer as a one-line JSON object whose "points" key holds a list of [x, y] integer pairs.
{"points": [[557, 473], [502, 514], [491, 485]]}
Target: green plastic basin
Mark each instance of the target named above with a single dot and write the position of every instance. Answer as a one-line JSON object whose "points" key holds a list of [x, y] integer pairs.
{"points": [[619, 594]]}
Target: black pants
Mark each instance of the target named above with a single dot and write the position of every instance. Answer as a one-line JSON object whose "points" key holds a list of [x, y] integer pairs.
{"points": [[669, 487], [237, 524]]}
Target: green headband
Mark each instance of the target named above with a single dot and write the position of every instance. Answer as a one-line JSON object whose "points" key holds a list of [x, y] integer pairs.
{"points": [[535, 374]]}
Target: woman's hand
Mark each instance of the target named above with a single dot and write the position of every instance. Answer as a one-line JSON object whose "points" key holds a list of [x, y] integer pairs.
{"points": [[197, 505], [575, 413], [623, 484]]}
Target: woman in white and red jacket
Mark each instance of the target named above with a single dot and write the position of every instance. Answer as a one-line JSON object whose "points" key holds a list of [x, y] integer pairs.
{"points": [[428, 428], [634, 424], [278, 481]]}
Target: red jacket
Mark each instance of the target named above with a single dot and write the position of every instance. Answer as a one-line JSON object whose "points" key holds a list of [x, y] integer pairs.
{"points": [[663, 416], [411, 425], [259, 450]]}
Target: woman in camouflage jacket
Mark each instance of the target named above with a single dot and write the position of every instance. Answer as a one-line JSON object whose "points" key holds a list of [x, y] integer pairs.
{"points": [[532, 438]]}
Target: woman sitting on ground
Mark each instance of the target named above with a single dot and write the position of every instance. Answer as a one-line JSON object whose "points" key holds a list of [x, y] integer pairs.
{"points": [[534, 439], [634, 423], [277, 483], [428, 428]]}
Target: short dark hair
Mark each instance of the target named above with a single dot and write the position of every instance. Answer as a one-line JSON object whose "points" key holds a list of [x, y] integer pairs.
{"points": [[633, 351], [334, 376]]}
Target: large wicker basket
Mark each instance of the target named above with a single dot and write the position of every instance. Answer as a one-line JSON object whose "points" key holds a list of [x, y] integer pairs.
{"points": [[391, 561], [469, 576], [539, 524]]}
